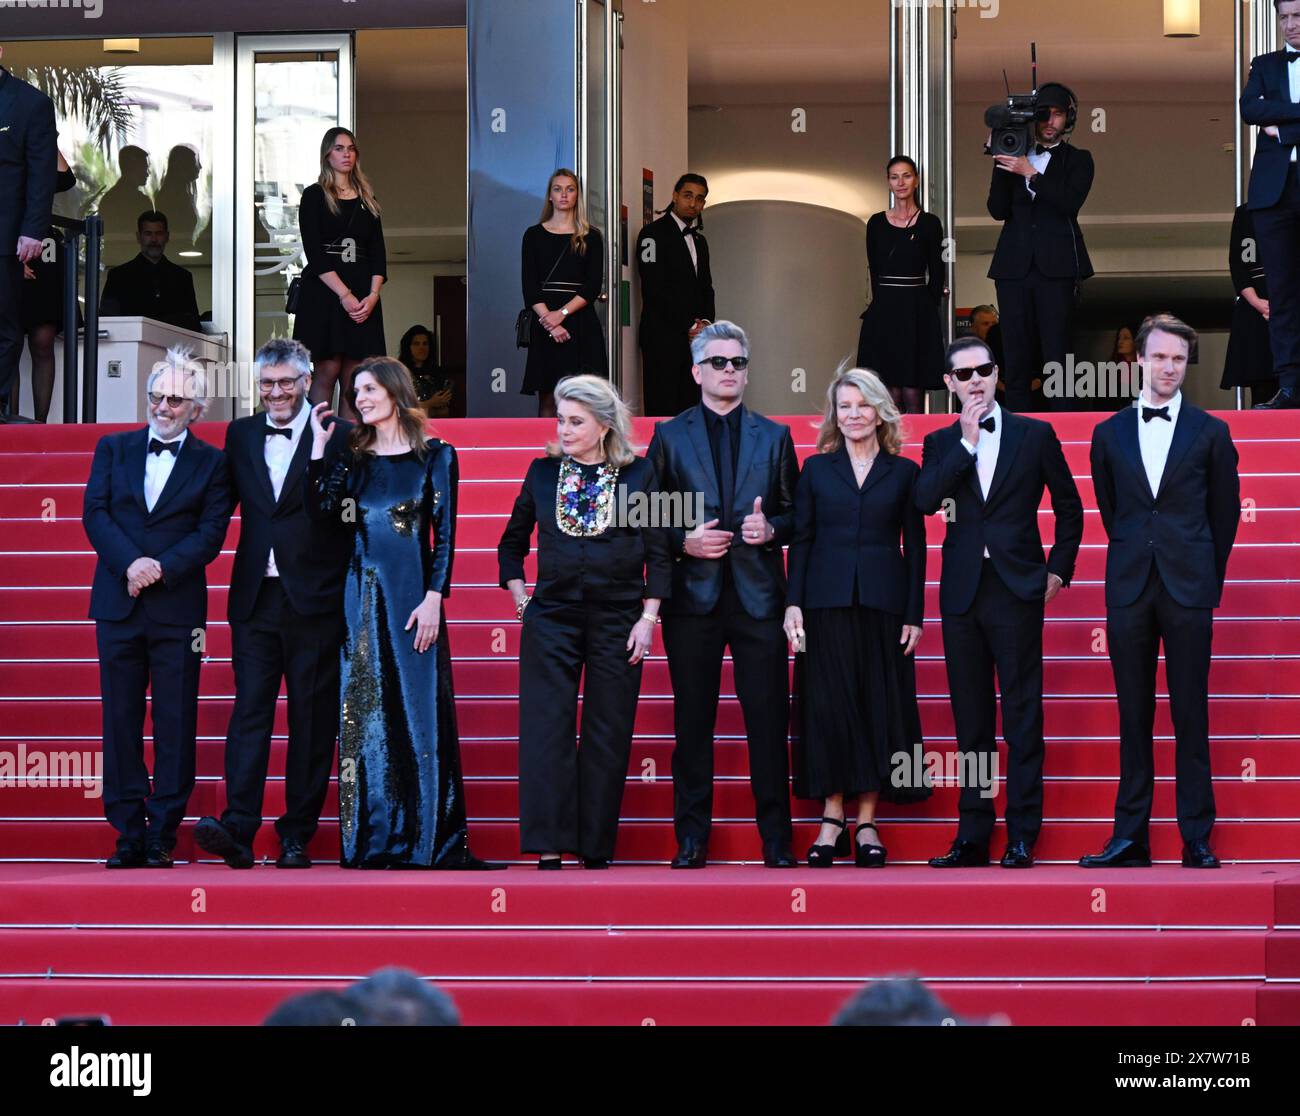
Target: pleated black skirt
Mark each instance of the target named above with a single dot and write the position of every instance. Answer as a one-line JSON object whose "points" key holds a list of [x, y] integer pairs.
{"points": [[855, 720]]}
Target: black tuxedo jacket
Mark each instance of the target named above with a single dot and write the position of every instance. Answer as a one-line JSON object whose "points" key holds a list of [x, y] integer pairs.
{"points": [[1267, 100], [845, 535], [1042, 230], [28, 162], [673, 293], [1029, 459], [312, 562], [766, 467], [1187, 528], [624, 563], [184, 531]]}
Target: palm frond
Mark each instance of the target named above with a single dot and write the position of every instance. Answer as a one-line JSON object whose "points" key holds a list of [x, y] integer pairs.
{"points": [[93, 94]]}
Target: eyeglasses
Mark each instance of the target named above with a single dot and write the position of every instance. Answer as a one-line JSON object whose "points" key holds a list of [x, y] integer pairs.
{"points": [[719, 363], [286, 386], [173, 401], [964, 374]]}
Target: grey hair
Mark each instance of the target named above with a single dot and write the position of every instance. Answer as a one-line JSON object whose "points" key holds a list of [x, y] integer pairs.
{"points": [[599, 397], [984, 308], [280, 351], [717, 331], [395, 997], [181, 359]]}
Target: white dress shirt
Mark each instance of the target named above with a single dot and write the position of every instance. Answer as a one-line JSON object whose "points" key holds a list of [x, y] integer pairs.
{"points": [[690, 240], [1039, 163], [279, 453], [158, 467], [1293, 76], [1155, 437], [986, 452]]}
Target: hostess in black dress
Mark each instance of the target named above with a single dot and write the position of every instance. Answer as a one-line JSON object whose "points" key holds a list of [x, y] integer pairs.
{"points": [[553, 273], [857, 724], [901, 339], [350, 243], [1249, 361], [43, 296]]}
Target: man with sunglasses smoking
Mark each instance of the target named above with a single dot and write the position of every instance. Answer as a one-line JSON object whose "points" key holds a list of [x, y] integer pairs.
{"points": [[986, 474], [156, 508], [728, 591]]}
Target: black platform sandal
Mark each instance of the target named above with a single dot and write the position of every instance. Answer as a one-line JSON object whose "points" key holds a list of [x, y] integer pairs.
{"points": [[823, 856], [868, 856]]}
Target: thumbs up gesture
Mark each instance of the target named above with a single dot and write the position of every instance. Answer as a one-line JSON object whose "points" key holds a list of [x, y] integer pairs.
{"points": [[755, 529]]}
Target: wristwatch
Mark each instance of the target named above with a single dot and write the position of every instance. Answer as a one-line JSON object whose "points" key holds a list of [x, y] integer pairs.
{"points": [[564, 311]]}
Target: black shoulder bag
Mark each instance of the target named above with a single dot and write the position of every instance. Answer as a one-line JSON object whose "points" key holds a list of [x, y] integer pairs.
{"points": [[527, 316]]}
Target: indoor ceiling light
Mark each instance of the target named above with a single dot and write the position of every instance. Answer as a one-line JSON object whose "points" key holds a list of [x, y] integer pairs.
{"points": [[121, 46], [1182, 19]]}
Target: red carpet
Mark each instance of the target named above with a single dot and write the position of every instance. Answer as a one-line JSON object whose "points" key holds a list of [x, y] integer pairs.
{"points": [[732, 944]]}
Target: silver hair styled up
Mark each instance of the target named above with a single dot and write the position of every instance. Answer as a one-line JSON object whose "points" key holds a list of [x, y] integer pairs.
{"points": [[281, 351], [181, 359], [717, 331], [598, 396]]}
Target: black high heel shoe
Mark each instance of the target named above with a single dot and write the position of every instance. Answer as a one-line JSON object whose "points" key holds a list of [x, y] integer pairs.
{"points": [[823, 856], [868, 856]]}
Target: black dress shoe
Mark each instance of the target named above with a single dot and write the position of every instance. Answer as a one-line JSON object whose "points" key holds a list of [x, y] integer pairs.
{"points": [[155, 856], [126, 856], [691, 853], [865, 854], [777, 854], [595, 862], [292, 854], [963, 854], [1282, 401], [823, 856], [550, 864], [1019, 854], [211, 836], [1197, 854], [1118, 853]]}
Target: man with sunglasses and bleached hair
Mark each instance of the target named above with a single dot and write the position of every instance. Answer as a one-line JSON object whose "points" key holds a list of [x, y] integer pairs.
{"points": [[986, 474], [156, 508], [728, 591]]}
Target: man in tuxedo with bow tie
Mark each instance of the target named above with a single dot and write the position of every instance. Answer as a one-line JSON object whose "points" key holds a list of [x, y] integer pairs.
{"points": [[987, 473], [286, 618], [1271, 100], [1165, 474], [728, 592], [156, 508], [676, 298], [1040, 260]]}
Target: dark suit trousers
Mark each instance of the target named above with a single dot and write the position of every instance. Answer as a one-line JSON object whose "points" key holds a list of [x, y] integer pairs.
{"points": [[11, 322], [695, 645], [1004, 632], [1037, 319], [569, 796], [1278, 230], [1134, 634], [276, 643], [135, 655], [667, 384]]}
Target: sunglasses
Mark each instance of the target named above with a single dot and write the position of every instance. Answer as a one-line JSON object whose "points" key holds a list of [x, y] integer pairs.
{"points": [[719, 363], [964, 374], [173, 401]]}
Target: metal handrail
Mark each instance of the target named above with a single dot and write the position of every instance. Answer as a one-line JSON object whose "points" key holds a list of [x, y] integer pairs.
{"points": [[92, 228]]}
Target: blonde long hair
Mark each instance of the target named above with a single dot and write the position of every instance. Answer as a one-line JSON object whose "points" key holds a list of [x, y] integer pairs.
{"points": [[890, 431], [358, 180], [581, 226], [598, 396]]}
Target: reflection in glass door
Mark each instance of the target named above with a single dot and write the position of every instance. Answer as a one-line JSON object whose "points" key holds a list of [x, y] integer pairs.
{"points": [[600, 152], [291, 89]]}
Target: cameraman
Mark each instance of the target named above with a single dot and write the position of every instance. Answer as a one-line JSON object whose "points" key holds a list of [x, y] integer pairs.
{"points": [[1040, 259]]}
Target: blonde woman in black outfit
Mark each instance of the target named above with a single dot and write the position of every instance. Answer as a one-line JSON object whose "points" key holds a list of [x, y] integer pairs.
{"points": [[339, 317], [563, 270]]}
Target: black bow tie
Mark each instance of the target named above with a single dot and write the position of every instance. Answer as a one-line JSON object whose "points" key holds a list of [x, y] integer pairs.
{"points": [[688, 231], [1039, 149], [1292, 55], [287, 431], [990, 424], [1148, 413], [155, 446]]}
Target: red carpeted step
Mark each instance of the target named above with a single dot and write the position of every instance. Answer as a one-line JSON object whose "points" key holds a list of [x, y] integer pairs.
{"points": [[911, 841], [792, 1004], [630, 953]]}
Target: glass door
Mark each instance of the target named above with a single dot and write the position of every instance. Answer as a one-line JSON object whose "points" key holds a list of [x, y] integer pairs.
{"points": [[599, 80], [290, 90]]}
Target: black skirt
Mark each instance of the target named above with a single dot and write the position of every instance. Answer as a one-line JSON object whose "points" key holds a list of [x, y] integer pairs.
{"points": [[855, 707], [324, 326], [42, 297], [1250, 353], [901, 339]]}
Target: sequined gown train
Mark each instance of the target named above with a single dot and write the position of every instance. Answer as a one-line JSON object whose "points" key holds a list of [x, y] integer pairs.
{"points": [[401, 799]]}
